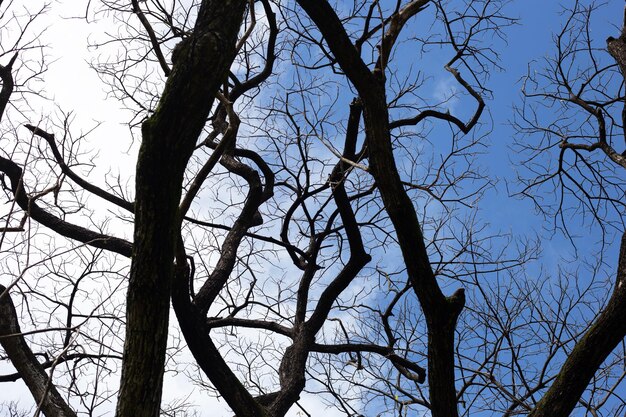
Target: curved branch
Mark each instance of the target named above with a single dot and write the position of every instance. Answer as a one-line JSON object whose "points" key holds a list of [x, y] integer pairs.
{"points": [[248, 217], [227, 142], [402, 364], [195, 328], [462, 126], [111, 198], [69, 230], [153, 39]]}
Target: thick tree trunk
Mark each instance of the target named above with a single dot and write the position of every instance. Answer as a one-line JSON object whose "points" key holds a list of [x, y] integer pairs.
{"points": [[441, 356], [168, 140]]}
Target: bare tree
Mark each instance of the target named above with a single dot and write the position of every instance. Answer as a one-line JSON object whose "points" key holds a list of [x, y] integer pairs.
{"points": [[583, 86], [301, 200]]}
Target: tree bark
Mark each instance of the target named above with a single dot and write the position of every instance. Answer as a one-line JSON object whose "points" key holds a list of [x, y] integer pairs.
{"points": [[168, 139]]}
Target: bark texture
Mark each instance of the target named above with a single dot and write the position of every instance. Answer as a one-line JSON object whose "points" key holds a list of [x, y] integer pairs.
{"points": [[617, 48], [168, 140]]}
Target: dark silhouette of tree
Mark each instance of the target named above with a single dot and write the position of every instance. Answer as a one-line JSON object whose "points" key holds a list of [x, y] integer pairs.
{"points": [[307, 208], [583, 86]]}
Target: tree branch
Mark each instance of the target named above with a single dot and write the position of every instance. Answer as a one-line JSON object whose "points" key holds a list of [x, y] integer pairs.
{"points": [[28, 367]]}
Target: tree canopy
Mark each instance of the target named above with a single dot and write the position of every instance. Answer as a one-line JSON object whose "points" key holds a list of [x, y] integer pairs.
{"points": [[306, 195]]}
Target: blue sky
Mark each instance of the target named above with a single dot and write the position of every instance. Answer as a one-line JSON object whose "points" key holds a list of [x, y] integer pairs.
{"points": [[530, 40], [529, 43]]}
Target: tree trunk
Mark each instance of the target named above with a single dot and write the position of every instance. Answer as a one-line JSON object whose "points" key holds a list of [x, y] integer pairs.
{"points": [[441, 312], [168, 139]]}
